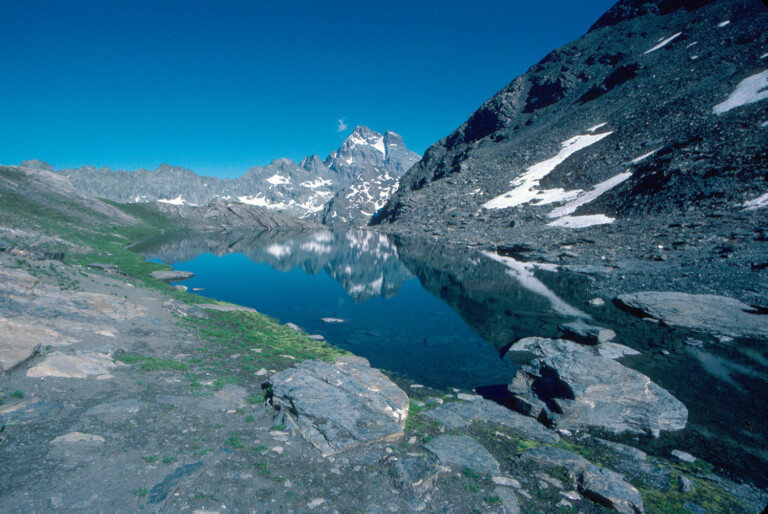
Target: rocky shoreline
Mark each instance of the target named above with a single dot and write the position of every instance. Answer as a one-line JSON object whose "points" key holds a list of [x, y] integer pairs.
{"points": [[128, 400]]}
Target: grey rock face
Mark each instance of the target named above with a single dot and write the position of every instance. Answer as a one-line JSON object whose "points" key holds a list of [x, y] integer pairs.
{"points": [[598, 484], [359, 176], [340, 405], [707, 313], [463, 451], [461, 414], [575, 390]]}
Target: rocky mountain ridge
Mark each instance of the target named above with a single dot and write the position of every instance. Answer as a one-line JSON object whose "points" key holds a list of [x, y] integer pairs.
{"points": [[346, 188]]}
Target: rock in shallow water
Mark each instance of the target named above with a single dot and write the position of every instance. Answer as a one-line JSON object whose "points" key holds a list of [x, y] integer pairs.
{"points": [[576, 390], [339, 405], [714, 314]]}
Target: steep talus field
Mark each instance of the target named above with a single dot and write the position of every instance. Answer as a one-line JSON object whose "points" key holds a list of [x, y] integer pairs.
{"points": [[646, 137]]}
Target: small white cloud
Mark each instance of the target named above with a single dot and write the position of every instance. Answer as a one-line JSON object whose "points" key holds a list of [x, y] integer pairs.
{"points": [[342, 125]]}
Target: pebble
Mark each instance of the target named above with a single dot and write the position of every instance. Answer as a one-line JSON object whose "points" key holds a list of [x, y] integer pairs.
{"points": [[468, 397], [261, 372], [506, 481], [596, 302], [316, 502], [571, 495], [684, 456]]}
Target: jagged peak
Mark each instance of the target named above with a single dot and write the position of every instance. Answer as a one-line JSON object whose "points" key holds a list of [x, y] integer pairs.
{"points": [[628, 9], [36, 164]]}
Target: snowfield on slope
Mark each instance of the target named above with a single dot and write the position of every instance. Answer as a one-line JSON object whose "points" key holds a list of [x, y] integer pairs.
{"points": [[526, 183]]}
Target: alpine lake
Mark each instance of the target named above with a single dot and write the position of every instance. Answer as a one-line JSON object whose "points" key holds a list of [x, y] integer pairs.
{"points": [[445, 318]]}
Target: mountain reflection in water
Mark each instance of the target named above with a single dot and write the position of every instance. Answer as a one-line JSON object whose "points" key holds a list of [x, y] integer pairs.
{"points": [[443, 317]]}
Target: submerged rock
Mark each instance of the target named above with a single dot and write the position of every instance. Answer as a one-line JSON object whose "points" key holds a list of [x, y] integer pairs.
{"points": [[339, 405], [714, 314], [576, 390], [600, 485], [582, 332]]}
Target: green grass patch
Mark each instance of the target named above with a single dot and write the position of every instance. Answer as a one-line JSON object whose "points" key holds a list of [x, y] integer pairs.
{"points": [[239, 332], [17, 394], [234, 443], [141, 492], [151, 458], [147, 363]]}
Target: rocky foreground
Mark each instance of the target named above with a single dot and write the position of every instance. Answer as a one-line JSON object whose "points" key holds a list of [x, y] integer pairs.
{"points": [[122, 393]]}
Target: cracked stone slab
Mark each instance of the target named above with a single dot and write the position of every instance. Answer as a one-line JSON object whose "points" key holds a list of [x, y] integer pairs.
{"points": [[339, 405], [79, 365]]}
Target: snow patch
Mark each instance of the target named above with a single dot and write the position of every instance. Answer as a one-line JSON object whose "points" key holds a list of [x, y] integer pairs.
{"points": [[593, 129], [764, 124], [757, 203], [764, 56], [279, 250], [278, 179], [750, 90], [523, 273], [316, 183], [723, 23], [663, 43], [643, 157], [690, 45], [581, 221], [257, 200], [525, 192], [591, 195], [176, 201]]}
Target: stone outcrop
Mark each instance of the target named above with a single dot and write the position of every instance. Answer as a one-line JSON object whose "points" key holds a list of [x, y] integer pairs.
{"points": [[339, 405]]}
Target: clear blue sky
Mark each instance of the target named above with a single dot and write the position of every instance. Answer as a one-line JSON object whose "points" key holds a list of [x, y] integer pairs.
{"points": [[220, 86]]}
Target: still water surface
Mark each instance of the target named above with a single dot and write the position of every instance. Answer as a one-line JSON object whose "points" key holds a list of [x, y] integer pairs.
{"points": [[444, 318]]}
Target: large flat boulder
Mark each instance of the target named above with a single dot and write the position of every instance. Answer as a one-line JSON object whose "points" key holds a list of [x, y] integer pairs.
{"points": [[600, 485], [714, 314], [171, 275], [339, 405], [577, 390]]}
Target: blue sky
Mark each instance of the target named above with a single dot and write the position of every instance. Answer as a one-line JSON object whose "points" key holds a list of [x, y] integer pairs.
{"points": [[221, 86]]}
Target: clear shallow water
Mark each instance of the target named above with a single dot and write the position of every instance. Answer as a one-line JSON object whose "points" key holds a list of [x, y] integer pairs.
{"points": [[443, 318]]}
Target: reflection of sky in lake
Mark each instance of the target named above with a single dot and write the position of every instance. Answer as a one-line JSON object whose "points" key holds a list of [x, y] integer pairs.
{"points": [[412, 333]]}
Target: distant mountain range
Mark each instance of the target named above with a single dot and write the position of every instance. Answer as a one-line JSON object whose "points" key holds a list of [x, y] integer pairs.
{"points": [[345, 189]]}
